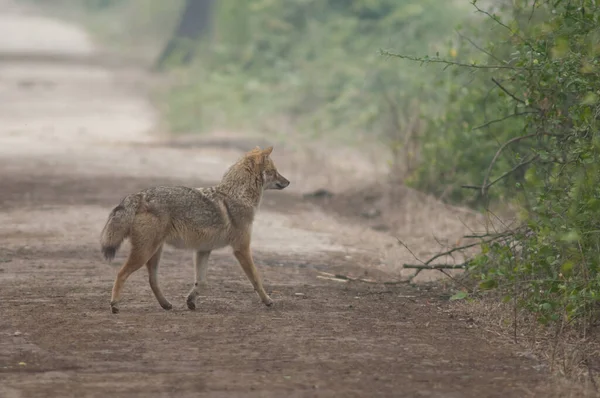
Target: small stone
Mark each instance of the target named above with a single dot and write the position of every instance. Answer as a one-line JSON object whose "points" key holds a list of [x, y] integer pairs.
{"points": [[319, 194], [17, 333], [380, 227], [371, 213]]}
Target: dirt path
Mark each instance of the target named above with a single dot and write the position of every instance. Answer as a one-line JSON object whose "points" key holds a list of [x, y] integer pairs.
{"points": [[75, 138]]}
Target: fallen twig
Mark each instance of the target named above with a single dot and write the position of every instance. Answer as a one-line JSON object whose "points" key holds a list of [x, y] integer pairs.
{"points": [[494, 235], [373, 293], [346, 278], [437, 266], [332, 279], [340, 276]]}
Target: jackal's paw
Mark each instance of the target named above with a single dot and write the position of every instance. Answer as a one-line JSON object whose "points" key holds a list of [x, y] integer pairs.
{"points": [[268, 301], [167, 306], [191, 303], [113, 308]]}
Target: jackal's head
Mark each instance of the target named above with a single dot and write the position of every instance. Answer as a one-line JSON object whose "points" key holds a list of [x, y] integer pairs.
{"points": [[271, 177]]}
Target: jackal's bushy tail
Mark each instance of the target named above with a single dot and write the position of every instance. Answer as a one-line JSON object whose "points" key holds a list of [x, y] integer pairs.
{"points": [[118, 226]]}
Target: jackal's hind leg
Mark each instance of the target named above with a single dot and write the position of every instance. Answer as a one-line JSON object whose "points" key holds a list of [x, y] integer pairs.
{"points": [[135, 261], [152, 265]]}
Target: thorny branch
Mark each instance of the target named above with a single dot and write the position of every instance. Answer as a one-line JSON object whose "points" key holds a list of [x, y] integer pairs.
{"points": [[498, 152], [483, 50], [426, 265], [532, 9], [451, 63], [504, 175], [511, 95], [503, 119], [499, 22]]}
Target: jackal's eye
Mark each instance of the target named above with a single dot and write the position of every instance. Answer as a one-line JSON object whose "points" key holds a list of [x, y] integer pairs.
{"points": [[270, 171]]}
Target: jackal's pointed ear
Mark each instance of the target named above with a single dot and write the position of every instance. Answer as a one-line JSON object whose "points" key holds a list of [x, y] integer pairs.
{"points": [[254, 151], [267, 151]]}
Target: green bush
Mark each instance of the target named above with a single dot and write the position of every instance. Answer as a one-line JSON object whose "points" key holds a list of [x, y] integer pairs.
{"points": [[549, 75]]}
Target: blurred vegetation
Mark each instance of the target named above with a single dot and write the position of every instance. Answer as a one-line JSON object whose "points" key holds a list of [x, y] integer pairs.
{"points": [[312, 66]]}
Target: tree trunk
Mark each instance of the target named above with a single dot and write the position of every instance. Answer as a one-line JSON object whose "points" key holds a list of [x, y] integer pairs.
{"points": [[195, 22]]}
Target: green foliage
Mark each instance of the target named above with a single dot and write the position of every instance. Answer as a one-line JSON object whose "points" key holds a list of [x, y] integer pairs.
{"points": [[460, 295], [459, 144], [550, 73], [312, 65]]}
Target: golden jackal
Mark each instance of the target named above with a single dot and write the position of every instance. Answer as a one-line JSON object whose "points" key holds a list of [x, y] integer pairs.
{"points": [[199, 219]]}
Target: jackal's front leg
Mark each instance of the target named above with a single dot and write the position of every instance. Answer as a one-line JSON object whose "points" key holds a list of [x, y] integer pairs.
{"points": [[244, 256], [200, 269]]}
